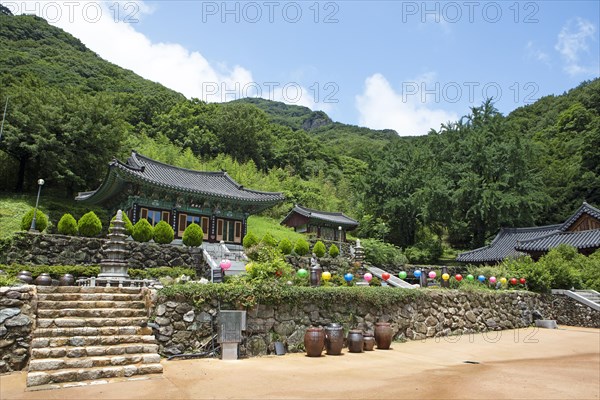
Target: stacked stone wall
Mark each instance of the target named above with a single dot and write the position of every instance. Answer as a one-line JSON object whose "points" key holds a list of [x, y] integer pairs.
{"points": [[18, 308]]}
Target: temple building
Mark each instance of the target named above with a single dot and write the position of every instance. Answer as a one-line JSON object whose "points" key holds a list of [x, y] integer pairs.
{"points": [[581, 230], [322, 224], [145, 188]]}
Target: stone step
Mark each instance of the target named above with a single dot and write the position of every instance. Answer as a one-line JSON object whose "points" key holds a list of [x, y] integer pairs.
{"points": [[60, 297], [93, 351], [92, 313], [91, 322], [92, 331], [90, 374], [49, 364], [84, 341], [96, 382], [88, 289], [54, 305]]}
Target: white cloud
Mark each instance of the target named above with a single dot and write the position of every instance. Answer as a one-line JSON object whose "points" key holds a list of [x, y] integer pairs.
{"points": [[110, 32], [533, 52], [409, 111], [573, 43]]}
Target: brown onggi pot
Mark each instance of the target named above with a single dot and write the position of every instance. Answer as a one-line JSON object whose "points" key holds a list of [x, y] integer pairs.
{"points": [[355, 341], [25, 277], [368, 342], [383, 335], [66, 280], [43, 280], [334, 339], [314, 341]]}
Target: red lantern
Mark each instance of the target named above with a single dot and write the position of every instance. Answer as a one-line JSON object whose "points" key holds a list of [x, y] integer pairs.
{"points": [[458, 277], [513, 281], [385, 276], [522, 280]]}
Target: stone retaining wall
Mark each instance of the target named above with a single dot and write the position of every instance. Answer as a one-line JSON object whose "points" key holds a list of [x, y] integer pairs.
{"points": [[18, 308], [567, 311], [43, 249], [183, 328]]}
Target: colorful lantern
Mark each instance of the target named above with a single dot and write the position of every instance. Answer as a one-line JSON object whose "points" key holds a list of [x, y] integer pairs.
{"points": [[445, 277], [385, 276], [432, 274], [302, 273], [402, 275], [513, 281], [470, 277], [348, 277], [225, 264], [458, 277], [522, 281], [503, 280], [368, 277], [326, 276], [481, 278], [417, 273], [492, 279]]}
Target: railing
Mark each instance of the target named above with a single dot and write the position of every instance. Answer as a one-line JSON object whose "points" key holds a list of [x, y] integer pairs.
{"points": [[104, 282], [578, 297]]}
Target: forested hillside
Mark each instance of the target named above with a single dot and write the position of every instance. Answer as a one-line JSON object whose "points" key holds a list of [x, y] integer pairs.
{"points": [[70, 112]]}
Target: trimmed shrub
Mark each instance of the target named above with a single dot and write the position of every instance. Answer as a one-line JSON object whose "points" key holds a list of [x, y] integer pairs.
{"points": [[41, 220], [334, 251], [193, 235], [89, 225], [250, 240], [285, 246], [301, 248], [142, 231], [67, 225], [127, 224], [319, 249], [269, 240], [163, 233]]}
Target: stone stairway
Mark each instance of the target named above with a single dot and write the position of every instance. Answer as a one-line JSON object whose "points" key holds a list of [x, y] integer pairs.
{"points": [[91, 335]]}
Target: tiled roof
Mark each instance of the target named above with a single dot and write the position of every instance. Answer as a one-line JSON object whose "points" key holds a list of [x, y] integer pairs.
{"points": [[503, 245], [216, 185], [584, 209], [331, 218], [581, 240]]}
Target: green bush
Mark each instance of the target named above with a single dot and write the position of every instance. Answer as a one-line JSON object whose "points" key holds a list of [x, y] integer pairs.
{"points": [[163, 233], [41, 220], [590, 272], [301, 248], [285, 246], [269, 240], [380, 253], [319, 249], [89, 225], [193, 235], [67, 225], [56, 271], [142, 231], [127, 224], [6, 280], [160, 272], [250, 240], [334, 251]]}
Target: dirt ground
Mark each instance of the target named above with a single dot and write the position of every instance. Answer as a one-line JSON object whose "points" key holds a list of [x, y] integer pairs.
{"points": [[517, 364]]}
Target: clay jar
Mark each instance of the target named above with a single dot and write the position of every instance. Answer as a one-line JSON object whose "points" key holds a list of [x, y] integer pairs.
{"points": [[334, 339], [43, 280], [368, 341], [355, 341], [314, 341], [66, 280], [25, 277], [383, 335]]}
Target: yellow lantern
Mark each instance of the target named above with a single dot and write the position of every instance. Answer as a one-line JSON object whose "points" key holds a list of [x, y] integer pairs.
{"points": [[503, 281], [445, 277], [326, 276]]}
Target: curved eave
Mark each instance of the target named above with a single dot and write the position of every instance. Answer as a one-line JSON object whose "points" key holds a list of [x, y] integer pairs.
{"points": [[111, 185]]}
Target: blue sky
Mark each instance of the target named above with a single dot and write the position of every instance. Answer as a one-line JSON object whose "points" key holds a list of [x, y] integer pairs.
{"points": [[405, 65]]}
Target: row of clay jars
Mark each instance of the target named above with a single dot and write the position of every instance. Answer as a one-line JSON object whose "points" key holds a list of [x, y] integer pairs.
{"points": [[44, 279], [332, 338]]}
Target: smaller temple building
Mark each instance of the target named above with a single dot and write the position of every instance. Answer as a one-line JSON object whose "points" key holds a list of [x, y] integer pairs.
{"points": [[322, 224], [145, 188], [581, 230]]}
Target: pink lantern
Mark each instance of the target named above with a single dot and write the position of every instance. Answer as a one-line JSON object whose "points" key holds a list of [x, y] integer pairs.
{"points": [[225, 264], [368, 277], [492, 279], [432, 275]]}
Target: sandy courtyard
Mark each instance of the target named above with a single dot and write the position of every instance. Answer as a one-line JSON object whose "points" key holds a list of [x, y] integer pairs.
{"points": [[527, 363]]}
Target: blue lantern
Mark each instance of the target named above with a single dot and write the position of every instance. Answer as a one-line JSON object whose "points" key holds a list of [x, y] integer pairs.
{"points": [[481, 278], [418, 273], [348, 277]]}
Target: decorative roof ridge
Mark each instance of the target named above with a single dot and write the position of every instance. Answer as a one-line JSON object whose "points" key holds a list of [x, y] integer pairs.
{"points": [[547, 235], [310, 211], [475, 250], [585, 208], [531, 228], [137, 156]]}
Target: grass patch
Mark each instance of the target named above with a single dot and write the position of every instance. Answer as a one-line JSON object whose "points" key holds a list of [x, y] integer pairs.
{"points": [[12, 209], [261, 225]]}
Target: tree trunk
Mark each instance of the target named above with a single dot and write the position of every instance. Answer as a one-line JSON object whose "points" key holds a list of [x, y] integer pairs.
{"points": [[21, 175]]}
